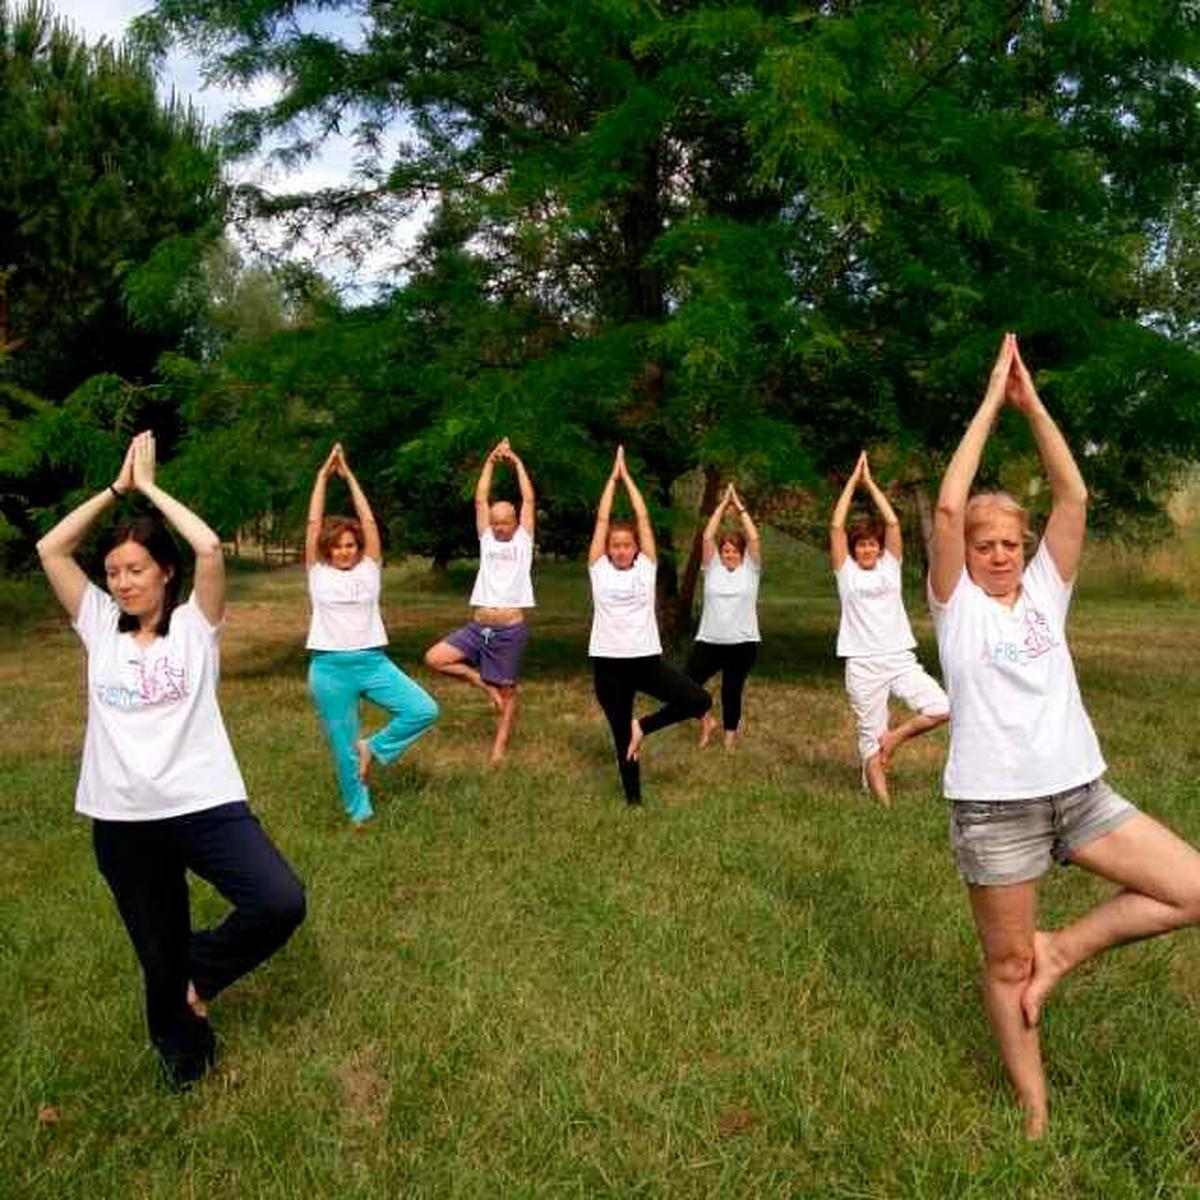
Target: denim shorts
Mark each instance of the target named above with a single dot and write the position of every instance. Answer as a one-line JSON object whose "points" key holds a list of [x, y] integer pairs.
{"points": [[998, 842], [497, 650]]}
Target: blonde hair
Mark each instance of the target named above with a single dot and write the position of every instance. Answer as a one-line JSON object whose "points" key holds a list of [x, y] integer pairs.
{"points": [[1002, 502]]}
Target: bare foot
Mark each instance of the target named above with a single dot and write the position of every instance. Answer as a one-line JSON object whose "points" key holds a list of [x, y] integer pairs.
{"points": [[877, 780], [365, 758], [1036, 1120], [195, 1003], [496, 696], [635, 740], [731, 739], [888, 741], [1048, 969], [707, 728]]}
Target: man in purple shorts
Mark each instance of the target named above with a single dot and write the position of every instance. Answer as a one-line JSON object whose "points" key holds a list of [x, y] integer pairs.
{"points": [[487, 653]]}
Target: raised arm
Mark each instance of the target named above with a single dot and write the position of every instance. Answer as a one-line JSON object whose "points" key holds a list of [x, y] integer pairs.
{"points": [[708, 539], [892, 539], [372, 546], [57, 549], [483, 489], [1068, 510], [753, 544], [599, 546], [528, 498], [316, 507], [646, 543], [838, 546], [947, 551], [205, 544]]}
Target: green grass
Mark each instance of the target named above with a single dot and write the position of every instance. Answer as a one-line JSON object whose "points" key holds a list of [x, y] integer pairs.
{"points": [[760, 986]]}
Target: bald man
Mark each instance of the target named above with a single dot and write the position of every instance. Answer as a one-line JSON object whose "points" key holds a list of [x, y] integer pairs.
{"points": [[487, 653]]}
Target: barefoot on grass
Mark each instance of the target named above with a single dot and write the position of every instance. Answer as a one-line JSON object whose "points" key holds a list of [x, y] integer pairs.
{"points": [[731, 739], [635, 740], [708, 727]]}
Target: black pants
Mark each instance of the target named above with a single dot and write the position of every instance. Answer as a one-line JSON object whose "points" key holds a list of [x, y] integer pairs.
{"points": [[618, 680], [734, 661], [145, 865]]}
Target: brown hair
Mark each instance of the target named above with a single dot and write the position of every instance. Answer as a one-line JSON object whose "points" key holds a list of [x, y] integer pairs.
{"points": [[737, 540], [149, 532], [332, 528], [864, 527], [629, 527]]}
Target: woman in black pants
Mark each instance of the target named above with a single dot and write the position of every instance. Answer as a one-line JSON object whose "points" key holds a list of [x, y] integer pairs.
{"points": [[625, 649], [158, 777], [728, 637]]}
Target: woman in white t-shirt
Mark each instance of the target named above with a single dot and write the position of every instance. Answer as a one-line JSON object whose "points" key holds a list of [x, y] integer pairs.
{"points": [[624, 648], [727, 640], [346, 639], [1025, 773], [158, 776], [875, 637]]}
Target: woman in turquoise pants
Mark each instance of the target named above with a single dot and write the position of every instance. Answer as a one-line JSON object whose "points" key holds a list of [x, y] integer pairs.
{"points": [[347, 640]]}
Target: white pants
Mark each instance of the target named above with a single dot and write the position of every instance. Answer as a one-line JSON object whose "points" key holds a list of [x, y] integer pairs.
{"points": [[871, 680]]}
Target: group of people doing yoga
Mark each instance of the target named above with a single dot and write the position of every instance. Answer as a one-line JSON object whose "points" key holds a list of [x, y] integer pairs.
{"points": [[1024, 776]]}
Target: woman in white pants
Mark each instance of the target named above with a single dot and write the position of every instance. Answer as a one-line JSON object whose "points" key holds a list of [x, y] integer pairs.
{"points": [[875, 637]]}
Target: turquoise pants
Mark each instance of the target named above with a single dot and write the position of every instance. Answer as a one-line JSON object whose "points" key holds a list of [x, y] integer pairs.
{"points": [[338, 680]]}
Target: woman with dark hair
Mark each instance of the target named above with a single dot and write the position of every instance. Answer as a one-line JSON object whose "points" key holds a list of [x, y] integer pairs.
{"points": [[346, 638], [727, 640], [875, 637], [158, 777], [1025, 773], [625, 649]]}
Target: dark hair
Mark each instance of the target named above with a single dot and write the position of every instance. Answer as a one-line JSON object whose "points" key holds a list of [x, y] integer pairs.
{"points": [[738, 540], [624, 527], [332, 529], [149, 531], [864, 527]]}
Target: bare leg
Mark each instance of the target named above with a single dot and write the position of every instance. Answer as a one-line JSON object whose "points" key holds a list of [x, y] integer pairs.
{"points": [[876, 776], [504, 726], [1159, 874], [890, 740], [708, 726], [449, 660], [365, 758], [1005, 917]]}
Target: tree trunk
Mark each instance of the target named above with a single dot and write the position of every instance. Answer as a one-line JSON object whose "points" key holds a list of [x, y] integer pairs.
{"points": [[687, 587]]}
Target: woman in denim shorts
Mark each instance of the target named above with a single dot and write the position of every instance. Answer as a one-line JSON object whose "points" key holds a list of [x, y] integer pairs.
{"points": [[1025, 773]]}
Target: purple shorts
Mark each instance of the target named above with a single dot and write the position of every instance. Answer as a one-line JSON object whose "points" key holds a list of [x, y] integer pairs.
{"points": [[497, 650]]}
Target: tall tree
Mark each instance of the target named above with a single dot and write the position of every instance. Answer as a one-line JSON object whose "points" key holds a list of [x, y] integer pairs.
{"points": [[758, 235]]}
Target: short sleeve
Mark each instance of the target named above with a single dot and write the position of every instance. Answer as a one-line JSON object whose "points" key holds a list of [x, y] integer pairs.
{"points": [[1043, 580], [97, 614], [939, 610]]}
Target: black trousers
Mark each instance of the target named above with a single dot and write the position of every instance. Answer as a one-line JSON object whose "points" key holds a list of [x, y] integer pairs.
{"points": [[734, 661], [618, 680], [145, 865]]}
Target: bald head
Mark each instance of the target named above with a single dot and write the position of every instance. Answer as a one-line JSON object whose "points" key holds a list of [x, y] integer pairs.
{"points": [[502, 517]]}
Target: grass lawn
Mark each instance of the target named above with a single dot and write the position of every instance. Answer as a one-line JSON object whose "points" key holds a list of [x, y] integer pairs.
{"points": [[762, 985]]}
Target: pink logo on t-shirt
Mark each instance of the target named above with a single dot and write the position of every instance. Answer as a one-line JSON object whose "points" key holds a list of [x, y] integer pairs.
{"points": [[160, 682]]}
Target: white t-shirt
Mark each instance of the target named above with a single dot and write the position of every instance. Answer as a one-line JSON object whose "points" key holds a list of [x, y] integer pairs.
{"points": [[873, 616], [345, 607], [155, 744], [504, 578], [730, 603], [624, 623], [1018, 728]]}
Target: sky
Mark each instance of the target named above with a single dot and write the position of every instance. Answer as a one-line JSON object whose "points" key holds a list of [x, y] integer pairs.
{"points": [[181, 73]]}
